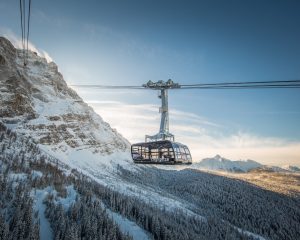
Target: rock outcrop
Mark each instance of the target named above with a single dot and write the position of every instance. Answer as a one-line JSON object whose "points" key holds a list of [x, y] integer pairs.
{"points": [[36, 101]]}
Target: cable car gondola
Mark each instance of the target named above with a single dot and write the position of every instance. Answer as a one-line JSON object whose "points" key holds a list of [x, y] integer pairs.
{"points": [[161, 152], [161, 148]]}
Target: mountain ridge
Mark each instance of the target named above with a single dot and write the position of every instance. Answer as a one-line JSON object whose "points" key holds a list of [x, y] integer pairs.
{"points": [[36, 101], [219, 163]]}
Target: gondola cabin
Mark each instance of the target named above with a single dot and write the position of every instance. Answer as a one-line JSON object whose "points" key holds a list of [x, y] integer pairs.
{"points": [[161, 152]]}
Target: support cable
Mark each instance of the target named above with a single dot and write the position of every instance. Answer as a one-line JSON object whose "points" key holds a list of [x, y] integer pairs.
{"points": [[239, 83], [108, 86], [22, 29], [28, 27], [224, 85], [25, 32]]}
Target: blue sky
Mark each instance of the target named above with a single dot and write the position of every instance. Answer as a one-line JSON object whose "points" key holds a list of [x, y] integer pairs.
{"points": [[130, 42]]}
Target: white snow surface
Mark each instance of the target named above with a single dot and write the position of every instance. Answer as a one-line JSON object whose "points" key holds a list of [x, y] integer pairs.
{"points": [[104, 169], [250, 234], [39, 195], [127, 226], [36, 174], [70, 199], [45, 228]]}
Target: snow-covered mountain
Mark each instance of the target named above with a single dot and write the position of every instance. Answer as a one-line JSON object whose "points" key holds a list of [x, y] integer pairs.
{"points": [[219, 163], [36, 101], [291, 168], [59, 157]]}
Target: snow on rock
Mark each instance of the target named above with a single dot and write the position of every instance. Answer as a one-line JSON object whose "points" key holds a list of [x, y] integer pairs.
{"points": [[36, 102], [218, 163]]}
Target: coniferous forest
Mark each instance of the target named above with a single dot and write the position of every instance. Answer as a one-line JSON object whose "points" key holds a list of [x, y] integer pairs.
{"points": [[76, 207]]}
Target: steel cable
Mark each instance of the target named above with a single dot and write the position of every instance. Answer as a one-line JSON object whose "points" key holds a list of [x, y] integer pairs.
{"points": [[224, 85]]}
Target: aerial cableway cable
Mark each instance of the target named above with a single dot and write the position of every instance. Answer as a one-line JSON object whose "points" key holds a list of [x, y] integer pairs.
{"points": [[22, 26], [28, 28], [223, 85], [25, 34], [161, 148], [107, 86], [242, 83]]}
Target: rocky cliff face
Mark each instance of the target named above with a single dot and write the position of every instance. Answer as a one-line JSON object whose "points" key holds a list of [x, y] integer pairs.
{"points": [[36, 101]]}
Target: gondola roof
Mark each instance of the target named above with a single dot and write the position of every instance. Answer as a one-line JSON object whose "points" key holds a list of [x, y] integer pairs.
{"points": [[159, 144]]}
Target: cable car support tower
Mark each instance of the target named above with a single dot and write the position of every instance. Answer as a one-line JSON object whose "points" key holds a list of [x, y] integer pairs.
{"points": [[162, 87], [161, 147]]}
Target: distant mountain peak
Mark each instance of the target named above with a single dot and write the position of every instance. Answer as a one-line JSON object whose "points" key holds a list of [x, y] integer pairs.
{"points": [[291, 168], [218, 157], [219, 163]]}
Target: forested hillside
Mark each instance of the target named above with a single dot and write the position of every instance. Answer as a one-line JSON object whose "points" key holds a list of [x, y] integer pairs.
{"points": [[74, 206], [230, 201], [26, 171]]}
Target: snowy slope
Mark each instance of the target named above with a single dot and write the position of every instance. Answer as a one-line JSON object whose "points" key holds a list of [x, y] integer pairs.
{"points": [[36, 102], [218, 163]]}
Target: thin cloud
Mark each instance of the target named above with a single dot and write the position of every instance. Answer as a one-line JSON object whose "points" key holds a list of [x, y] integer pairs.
{"points": [[204, 137], [58, 22], [193, 117]]}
